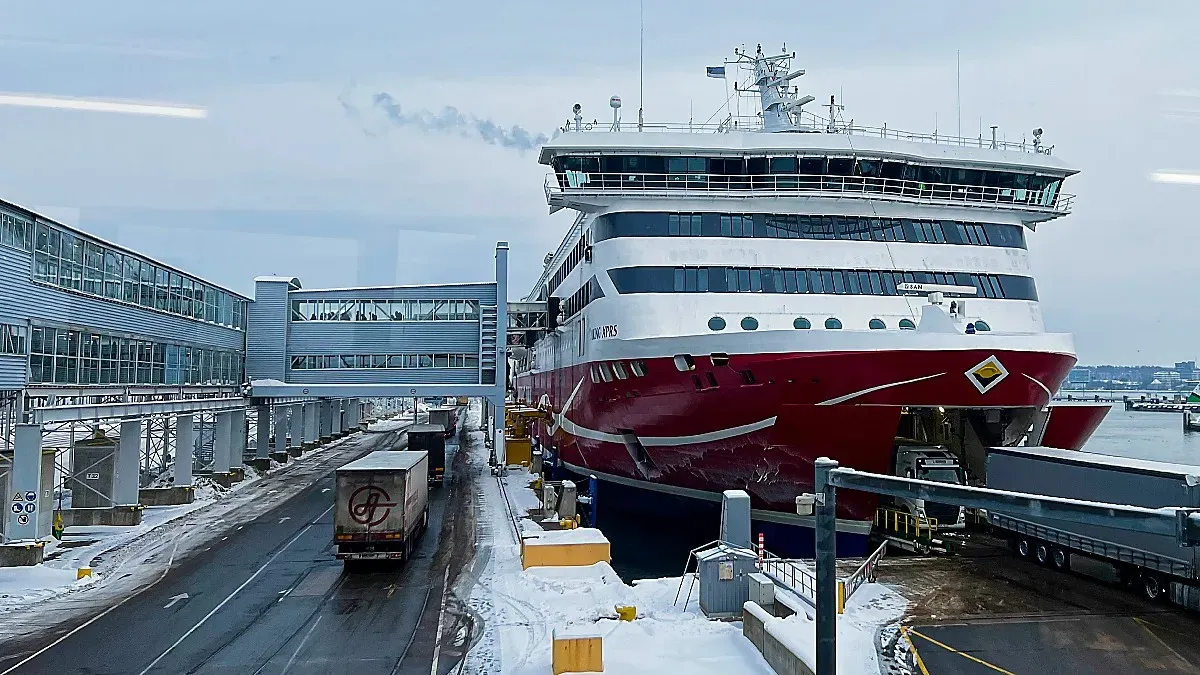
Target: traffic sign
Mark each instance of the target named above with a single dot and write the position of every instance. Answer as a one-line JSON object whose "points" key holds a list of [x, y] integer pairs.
{"points": [[30, 507], [17, 508], [22, 519], [31, 496]]}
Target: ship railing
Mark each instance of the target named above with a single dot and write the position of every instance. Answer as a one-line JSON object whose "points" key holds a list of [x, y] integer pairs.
{"points": [[815, 124], [564, 187], [864, 574]]}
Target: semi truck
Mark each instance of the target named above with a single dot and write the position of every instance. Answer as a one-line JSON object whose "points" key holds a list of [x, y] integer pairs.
{"points": [[381, 506], [934, 463], [1154, 564], [447, 417], [430, 438]]}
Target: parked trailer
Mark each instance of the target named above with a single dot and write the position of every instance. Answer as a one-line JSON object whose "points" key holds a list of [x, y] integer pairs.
{"points": [[447, 417], [1155, 563], [381, 505], [430, 438]]}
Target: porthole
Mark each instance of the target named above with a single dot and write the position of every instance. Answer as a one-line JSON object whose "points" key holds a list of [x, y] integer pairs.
{"points": [[684, 362], [832, 323], [982, 326], [749, 323], [716, 323], [907, 324], [801, 323], [877, 324]]}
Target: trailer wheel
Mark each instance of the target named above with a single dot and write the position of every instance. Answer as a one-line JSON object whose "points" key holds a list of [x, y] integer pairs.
{"points": [[1024, 547], [1061, 560], [1152, 586], [1042, 553]]}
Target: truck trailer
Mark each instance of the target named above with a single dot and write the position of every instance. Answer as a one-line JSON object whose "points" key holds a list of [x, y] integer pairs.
{"points": [[1156, 564], [381, 506], [430, 438]]}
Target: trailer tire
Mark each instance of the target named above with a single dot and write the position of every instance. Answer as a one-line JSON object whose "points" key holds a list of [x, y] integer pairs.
{"points": [[1153, 587], [1023, 548], [1041, 553], [1061, 559]]}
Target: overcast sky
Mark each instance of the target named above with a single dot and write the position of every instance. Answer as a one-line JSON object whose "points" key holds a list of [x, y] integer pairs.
{"points": [[280, 178]]}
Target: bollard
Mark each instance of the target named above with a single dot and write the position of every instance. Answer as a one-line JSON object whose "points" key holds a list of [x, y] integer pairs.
{"points": [[82, 573], [626, 612]]}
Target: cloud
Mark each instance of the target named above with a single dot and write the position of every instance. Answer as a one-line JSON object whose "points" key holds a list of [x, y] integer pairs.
{"points": [[450, 120]]}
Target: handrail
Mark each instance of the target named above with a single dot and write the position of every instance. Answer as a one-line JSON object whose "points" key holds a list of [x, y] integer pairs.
{"points": [[815, 124], [793, 574], [860, 576], [560, 187]]}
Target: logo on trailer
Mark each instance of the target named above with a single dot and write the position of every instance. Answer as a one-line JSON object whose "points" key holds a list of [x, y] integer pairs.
{"points": [[987, 374], [370, 505]]}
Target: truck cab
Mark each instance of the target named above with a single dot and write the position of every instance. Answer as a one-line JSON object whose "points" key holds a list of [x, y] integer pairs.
{"points": [[932, 463]]}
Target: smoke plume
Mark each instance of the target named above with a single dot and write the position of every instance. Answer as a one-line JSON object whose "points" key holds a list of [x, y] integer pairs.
{"points": [[450, 120]]}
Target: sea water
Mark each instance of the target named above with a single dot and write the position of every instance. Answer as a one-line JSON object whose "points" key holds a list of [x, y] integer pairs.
{"points": [[1157, 436]]}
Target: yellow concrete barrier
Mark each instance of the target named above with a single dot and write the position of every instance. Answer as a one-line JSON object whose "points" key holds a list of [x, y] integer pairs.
{"points": [[82, 572], [565, 548], [578, 650], [626, 612]]}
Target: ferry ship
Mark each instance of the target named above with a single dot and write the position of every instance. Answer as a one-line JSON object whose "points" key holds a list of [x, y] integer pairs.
{"points": [[735, 300]]}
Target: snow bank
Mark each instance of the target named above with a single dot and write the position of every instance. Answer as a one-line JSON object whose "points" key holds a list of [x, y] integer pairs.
{"points": [[580, 535], [21, 585], [872, 607]]}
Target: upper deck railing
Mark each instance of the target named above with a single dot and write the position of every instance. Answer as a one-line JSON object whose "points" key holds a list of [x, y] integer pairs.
{"points": [[818, 124], [569, 188]]}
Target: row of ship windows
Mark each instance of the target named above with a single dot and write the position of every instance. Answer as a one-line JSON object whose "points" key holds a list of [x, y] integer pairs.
{"points": [[790, 226], [720, 279], [573, 259], [718, 323], [355, 361], [606, 372], [69, 356], [385, 310], [581, 298], [69, 260]]}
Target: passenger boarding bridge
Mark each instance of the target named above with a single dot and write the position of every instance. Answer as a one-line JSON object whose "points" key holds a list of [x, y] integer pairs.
{"points": [[119, 373]]}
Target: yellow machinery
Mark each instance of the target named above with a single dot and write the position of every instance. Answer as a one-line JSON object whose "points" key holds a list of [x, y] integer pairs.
{"points": [[518, 426]]}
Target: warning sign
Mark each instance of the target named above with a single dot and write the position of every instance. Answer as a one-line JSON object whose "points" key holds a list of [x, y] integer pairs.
{"points": [[370, 505], [17, 497]]}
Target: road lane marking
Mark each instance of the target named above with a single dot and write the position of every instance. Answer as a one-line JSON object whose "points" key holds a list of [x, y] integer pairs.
{"points": [[915, 653], [231, 596], [1146, 626], [965, 655], [101, 615], [300, 646], [175, 599], [437, 640]]}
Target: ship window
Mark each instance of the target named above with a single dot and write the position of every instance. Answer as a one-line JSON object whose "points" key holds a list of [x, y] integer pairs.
{"points": [[684, 362], [619, 370], [907, 324], [832, 323], [982, 326], [749, 323], [801, 323], [877, 324], [605, 373], [783, 165], [716, 323], [638, 368], [841, 166]]}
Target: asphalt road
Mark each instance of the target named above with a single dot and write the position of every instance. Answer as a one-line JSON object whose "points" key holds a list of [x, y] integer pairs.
{"points": [[269, 597]]}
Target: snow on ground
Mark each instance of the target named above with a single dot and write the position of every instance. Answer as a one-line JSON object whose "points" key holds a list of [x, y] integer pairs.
{"points": [[520, 610], [89, 546], [871, 608]]}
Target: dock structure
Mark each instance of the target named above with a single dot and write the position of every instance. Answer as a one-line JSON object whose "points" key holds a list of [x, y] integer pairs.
{"points": [[124, 380]]}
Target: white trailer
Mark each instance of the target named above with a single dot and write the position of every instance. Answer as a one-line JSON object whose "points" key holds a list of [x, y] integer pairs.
{"points": [[382, 505]]}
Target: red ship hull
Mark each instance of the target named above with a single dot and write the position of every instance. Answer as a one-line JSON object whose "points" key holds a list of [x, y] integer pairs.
{"points": [[758, 422]]}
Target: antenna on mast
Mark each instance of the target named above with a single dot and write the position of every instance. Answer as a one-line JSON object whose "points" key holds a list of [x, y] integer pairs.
{"points": [[641, 57], [958, 87]]}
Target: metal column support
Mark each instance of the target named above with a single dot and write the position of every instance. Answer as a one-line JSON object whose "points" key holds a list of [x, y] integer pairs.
{"points": [[128, 464], [185, 444], [826, 553], [311, 427], [262, 448], [237, 440], [222, 437], [25, 478], [325, 419], [295, 429], [282, 427], [353, 413], [335, 417]]}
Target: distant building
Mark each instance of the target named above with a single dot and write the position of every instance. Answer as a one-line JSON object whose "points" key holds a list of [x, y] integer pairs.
{"points": [[1080, 375], [1166, 379]]}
